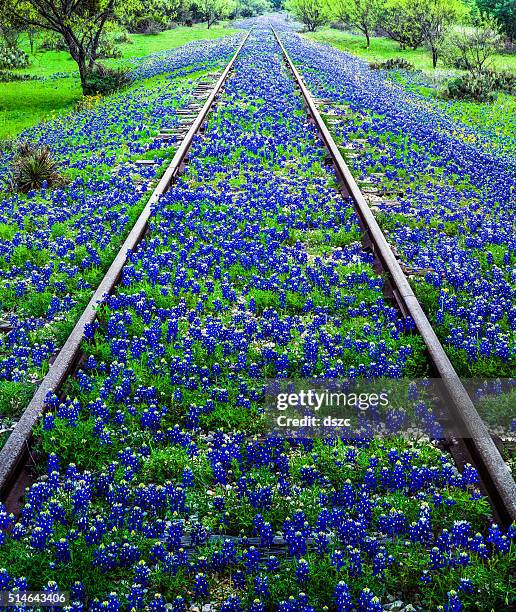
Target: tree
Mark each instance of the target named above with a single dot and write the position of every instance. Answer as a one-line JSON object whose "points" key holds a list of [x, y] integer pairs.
{"points": [[80, 23], [251, 8], [313, 13], [438, 17], [361, 14], [402, 21], [473, 49], [505, 13], [151, 16], [10, 27], [212, 11]]}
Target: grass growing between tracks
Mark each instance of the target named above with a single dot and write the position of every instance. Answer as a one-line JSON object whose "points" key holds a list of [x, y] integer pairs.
{"points": [[162, 485], [27, 103]]}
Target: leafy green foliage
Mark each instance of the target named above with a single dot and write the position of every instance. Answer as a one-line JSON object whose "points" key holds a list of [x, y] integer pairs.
{"points": [[402, 20], [212, 11], [312, 13], [361, 14], [251, 8], [504, 11]]}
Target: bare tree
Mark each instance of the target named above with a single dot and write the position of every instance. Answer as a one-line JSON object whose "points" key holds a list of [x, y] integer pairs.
{"points": [[473, 49]]}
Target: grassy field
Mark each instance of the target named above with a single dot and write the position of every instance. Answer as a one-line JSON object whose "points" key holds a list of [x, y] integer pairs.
{"points": [[497, 118], [382, 49], [26, 103]]}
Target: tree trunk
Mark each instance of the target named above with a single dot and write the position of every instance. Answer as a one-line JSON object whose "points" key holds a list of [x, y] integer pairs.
{"points": [[368, 42], [434, 57], [83, 71]]}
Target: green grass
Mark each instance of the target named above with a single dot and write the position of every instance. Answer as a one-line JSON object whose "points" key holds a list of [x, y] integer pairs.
{"points": [[26, 103], [382, 49]]}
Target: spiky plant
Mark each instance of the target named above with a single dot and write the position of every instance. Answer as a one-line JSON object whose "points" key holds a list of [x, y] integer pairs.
{"points": [[34, 168]]}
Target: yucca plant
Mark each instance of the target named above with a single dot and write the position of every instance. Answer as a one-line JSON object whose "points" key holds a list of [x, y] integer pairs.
{"points": [[34, 168]]}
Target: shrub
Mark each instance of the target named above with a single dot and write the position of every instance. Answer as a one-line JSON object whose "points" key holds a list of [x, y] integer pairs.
{"points": [[34, 168], [13, 57], [7, 76], [147, 26], [53, 42], [108, 49], [123, 38], [473, 49], [505, 81], [394, 63], [104, 80], [470, 87]]}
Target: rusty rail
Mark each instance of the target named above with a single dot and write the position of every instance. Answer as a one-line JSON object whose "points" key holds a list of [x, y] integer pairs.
{"points": [[493, 471], [17, 446]]}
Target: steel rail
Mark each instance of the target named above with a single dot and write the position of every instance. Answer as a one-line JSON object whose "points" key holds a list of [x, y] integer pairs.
{"points": [[494, 473], [17, 446]]}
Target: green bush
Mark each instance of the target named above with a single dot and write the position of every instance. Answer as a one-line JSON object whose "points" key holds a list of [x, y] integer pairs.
{"points": [[394, 63], [123, 38], [13, 57], [108, 49], [147, 26], [470, 87], [104, 80], [7, 76], [34, 167], [505, 81], [53, 42]]}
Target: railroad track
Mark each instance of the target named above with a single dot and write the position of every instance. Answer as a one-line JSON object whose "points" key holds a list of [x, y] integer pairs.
{"points": [[478, 448], [15, 453]]}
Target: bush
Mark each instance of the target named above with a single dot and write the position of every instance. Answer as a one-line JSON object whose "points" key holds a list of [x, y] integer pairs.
{"points": [[470, 87], [505, 81], [104, 80], [8, 77], [34, 168], [53, 42], [123, 38], [13, 57], [473, 49], [108, 49], [147, 26], [394, 63]]}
